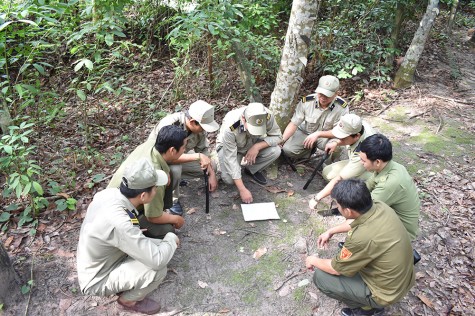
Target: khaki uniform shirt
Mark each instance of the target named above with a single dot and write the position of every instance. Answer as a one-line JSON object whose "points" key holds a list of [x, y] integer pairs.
{"points": [[395, 187], [148, 151], [378, 248], [354, 168], [233, 138], [310, 117], [197, 142], [108, 237]]}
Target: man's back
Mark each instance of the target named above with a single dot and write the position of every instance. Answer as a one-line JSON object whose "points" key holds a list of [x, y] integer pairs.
{"points": [[395, 187], [378, 248]]}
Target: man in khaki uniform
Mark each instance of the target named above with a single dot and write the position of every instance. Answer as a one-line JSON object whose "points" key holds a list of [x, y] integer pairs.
{"points": [[113, 256], [314, 118], [168, 147], [375, 267], [196, 122], [350, 131], [249, 137]]}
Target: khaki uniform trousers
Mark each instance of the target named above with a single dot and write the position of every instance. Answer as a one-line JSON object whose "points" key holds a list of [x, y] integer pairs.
{"points": [[333, 170], [264, 159], [293, 147], [131, 277], [351, 291]]}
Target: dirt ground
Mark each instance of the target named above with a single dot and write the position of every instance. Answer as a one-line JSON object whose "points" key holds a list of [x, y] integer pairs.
{"points": [[432, 126]]}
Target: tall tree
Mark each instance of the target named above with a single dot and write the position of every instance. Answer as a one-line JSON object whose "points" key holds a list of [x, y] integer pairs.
{"points": [[405, 74], [294, 59]]}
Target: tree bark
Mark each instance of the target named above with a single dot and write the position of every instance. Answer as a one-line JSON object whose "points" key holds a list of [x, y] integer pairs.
{"points": [[5, 118], [396, 30], [294, 59], [405, 75], [8, 277], [245, 72], [453, 11]]}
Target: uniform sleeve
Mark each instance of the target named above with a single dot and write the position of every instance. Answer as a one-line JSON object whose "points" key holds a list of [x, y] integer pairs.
{"points": [[299, 114], [352, 258], [371, 183], [231, 164], [154, 254], [341, 113], [202, 145], [274, 134], [155, 207], [354, 168], [167, 120], [387, 191]]}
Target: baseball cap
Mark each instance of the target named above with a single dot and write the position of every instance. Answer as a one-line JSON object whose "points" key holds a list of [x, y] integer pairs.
{"points": [[203, 113], [256, 118], [328, 85], [349, 124], [141, 175]]}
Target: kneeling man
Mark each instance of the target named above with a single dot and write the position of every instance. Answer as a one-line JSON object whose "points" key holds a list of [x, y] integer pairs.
{"points": [[113, 256], [375, 267]]}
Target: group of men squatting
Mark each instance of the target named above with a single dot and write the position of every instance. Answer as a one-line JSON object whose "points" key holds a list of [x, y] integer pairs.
{"points": [[128, 234]]}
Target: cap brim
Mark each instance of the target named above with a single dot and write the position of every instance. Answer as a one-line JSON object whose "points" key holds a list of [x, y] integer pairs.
{"points": [[256, 130], [325, 92], [339, 133], [211, 127], [162, 178]]}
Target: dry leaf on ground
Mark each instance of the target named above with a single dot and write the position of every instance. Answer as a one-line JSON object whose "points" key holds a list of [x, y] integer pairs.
{"points": [[259, 253]]}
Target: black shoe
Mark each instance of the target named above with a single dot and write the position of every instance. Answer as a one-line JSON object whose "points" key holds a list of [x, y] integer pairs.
{"points": [[330, 212], [176, 209], [341, 244], [361, 312], [417, 256], [258, 176], [183, 183]]}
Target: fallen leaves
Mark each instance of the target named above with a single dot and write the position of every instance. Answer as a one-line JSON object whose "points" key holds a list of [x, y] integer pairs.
{"points": [[202, 284], [259, 253]]}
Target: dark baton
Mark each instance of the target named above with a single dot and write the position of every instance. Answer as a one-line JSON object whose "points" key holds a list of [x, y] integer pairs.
{"points": [[287, 160], [325, 156], [205, 172]]}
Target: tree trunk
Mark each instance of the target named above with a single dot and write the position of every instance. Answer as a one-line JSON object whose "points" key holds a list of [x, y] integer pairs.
{"points": [[396, 30], [405, 75], [8, 276], [5, 118], [294, 59], [244, 69], [453, 11]]}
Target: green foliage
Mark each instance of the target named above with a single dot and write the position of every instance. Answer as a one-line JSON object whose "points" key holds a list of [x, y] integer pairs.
{"points": [[26, 288]]}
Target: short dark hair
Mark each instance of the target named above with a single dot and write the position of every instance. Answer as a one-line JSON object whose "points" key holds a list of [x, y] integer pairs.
{"points": [[170, 136], [131, 193], [377, 146], [353, 194]]}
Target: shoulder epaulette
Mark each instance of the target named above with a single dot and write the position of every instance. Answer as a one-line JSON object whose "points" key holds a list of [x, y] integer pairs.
{"points": [[308, 98], [341, 102], [235, 125], [133, 218]]}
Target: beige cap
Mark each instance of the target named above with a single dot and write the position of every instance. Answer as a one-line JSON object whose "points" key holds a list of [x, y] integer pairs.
{"points": [[328, 85], [141, 175], [256, 118], [349, 124], [203, 113]]}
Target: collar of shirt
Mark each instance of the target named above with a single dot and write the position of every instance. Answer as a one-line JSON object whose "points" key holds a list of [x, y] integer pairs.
{"points": [[363, 218]]}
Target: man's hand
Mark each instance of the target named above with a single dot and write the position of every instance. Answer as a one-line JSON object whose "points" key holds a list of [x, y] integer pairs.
{"points": [[310, 140], [331, 146], [246, 195], [213, 182], [178, 221], [310, 262], [319, 196], [322, 241], [251, 155], [205, 161]]}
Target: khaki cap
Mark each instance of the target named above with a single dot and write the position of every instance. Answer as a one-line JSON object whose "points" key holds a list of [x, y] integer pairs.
{"points": [[141, 175], [328, 85], [203, 113], [349, 124], [256, 118]]}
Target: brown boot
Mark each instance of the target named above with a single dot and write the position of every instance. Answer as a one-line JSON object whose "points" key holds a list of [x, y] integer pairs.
{"points": [[145, 306]]}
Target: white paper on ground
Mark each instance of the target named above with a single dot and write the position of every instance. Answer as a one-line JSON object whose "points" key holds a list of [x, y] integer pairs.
{"points": [[259, 211]]}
